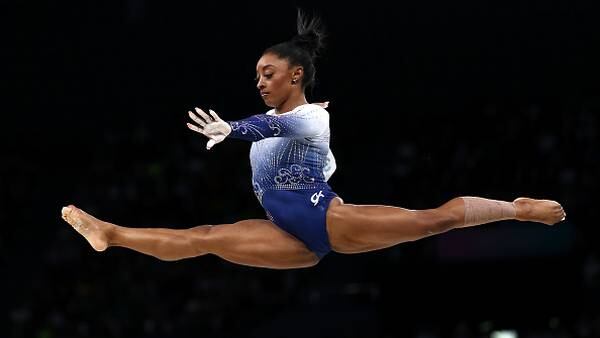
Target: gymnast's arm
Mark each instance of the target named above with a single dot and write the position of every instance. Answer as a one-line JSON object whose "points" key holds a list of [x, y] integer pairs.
{"points": [[304, 123], [309, 121]]}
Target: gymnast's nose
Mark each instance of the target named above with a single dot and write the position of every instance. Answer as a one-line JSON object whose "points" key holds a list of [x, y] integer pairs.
{"points": [[260, 84]]}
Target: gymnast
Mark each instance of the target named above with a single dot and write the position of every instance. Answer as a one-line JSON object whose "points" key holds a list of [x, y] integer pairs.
{"points": [[291, 163]]}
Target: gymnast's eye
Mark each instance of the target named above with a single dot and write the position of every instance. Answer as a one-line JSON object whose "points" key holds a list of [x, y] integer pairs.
{"points": [[268, 76]]}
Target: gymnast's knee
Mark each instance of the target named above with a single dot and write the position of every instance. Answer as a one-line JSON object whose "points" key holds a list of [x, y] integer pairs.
{"points": [[203, 238], [442, 220]]}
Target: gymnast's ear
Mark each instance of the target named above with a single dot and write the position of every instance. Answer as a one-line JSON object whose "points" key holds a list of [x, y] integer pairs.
{"points": [[297, 74]]}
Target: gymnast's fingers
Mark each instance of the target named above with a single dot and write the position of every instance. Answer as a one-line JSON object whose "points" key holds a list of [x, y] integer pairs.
{"points": [[214, 115], [196, 128], [204, 116], [196, 119], [210, 144]]}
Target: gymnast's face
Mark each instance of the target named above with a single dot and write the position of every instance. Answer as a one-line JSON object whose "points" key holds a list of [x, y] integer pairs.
{"points": [[275, 77]]}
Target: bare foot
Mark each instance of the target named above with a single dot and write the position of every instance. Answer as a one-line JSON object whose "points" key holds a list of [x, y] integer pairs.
{"points": [[543, 211], [93, 229]]}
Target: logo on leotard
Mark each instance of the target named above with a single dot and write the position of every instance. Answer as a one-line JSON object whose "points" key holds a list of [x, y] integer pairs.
{"points": [[315, 197]]}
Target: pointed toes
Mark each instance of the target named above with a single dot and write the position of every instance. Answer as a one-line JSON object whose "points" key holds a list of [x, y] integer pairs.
{"points": [[65, 210]]}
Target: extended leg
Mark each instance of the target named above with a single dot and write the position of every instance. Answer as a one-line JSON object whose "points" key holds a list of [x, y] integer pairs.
{"points": [[251, 242], [359, 228]]}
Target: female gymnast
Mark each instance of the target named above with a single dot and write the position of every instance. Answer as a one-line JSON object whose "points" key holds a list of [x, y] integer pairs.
{"points": [[291, 163]]}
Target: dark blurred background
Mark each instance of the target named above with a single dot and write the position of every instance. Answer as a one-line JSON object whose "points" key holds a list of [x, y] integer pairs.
{"points": [[429, 100]]}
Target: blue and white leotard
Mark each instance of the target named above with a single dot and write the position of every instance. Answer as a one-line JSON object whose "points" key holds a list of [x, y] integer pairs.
{"points": [[291, 163]]}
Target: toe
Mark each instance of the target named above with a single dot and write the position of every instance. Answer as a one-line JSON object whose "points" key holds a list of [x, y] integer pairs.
{"points": [[65, 210]]}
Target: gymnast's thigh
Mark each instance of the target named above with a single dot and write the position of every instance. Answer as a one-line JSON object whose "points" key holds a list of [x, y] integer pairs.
{"points": [[259, 242], [359, 228]]}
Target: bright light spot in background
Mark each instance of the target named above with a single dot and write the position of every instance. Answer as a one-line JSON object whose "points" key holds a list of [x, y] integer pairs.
{"points": [[504, 334]]}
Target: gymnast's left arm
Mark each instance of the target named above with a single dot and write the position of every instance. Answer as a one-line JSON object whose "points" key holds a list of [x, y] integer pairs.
{"points": [[304, 123], [308, 121]]}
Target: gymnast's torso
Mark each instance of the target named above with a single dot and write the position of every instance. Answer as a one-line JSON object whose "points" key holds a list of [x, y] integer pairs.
{"points": [[290, 151]]}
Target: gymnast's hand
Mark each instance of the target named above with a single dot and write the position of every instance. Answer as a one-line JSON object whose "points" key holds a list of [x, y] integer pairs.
{"points": [[210, 126]]}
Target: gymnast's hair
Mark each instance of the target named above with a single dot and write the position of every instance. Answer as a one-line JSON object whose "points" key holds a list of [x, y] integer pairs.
{"points": [[303, 49]]}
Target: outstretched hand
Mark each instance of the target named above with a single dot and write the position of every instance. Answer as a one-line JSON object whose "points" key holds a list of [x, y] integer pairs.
{"points": [[211, 126]]}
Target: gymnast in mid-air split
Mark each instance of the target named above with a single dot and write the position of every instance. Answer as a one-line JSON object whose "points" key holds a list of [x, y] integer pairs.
{"points": [[291, 164]]}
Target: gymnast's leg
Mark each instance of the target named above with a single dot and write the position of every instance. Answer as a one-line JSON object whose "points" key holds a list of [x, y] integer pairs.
{"points": [[255, 242], [359, 228]]}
